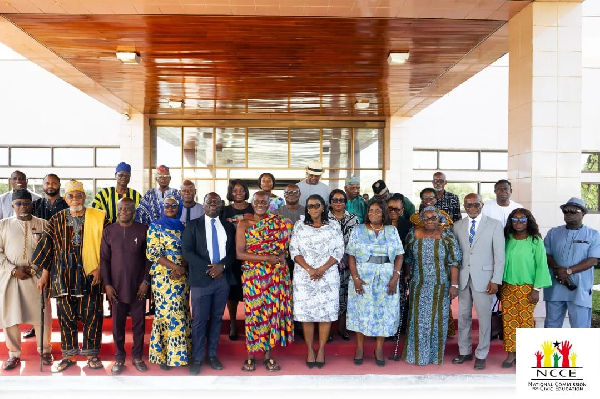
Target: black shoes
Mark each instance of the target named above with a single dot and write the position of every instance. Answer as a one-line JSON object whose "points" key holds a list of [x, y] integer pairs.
{"points": [[214, 363], [195, 368], [479, 364], [30, 333], [462, 358]]}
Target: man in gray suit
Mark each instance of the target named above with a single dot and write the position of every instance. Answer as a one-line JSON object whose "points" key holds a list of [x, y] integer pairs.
{"points": [[481, 240]]}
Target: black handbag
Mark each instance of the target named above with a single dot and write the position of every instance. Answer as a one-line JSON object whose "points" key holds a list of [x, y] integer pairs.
{"points": [[496, 325]]}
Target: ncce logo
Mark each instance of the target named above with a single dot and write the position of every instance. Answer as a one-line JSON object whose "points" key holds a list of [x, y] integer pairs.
{"points": [[556, 368]]}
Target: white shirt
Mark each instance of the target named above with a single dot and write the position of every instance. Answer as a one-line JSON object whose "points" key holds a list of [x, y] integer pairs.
{"points": [[221, 236], [306, 190], [477, 220], [6, 209], [500, 213]]}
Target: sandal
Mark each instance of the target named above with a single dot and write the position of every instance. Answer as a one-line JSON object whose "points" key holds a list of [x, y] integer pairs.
{"points": [[62, 365], [271, 365], [249, 365], [94, 363]]}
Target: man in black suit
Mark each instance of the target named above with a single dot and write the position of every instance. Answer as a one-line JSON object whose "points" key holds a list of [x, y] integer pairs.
{"points": [[209, 247]]}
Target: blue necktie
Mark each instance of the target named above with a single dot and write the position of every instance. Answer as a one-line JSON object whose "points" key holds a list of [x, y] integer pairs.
{"points": [[472, 232], [215, 243]]}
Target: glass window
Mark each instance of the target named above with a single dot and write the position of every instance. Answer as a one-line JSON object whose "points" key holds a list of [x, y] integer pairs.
{"points": [[267, 147], [425, 160], [305, 147], [198, 146], [368, 148], [462, 189], [589, 162], [175, 178], [459, 160], [590, 194], [4, 156], [31, 156], [191, 174], [167, 147], [336, 147], [102, 183], [231, 147], [417, 187], [107, 156], [74, 157], [367, 178], [494, 160], [487, 191], [35, 185]]}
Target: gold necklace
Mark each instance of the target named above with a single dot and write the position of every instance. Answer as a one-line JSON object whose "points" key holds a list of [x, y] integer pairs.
{"points": [[374, 229]]}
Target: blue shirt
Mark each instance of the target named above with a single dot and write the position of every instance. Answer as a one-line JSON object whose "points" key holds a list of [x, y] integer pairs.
{"points": [[568, 248]]}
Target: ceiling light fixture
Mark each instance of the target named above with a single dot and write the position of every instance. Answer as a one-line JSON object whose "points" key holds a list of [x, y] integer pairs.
{"points": [[398, 58], [129, 58], [362, 103], [175, 104]]}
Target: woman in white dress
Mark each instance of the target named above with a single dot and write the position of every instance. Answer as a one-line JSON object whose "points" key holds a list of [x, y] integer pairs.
{"points": [[316, 247]]}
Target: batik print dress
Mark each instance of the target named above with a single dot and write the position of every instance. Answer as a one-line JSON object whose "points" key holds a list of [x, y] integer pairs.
{"points": [[170, 339]]}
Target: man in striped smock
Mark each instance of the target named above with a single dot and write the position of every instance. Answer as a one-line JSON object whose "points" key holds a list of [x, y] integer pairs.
{"points": [[69, 254], [107, 198]]}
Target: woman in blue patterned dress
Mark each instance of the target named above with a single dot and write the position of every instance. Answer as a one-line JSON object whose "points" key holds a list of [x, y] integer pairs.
{"points": [[375, 262], [170, 340], [432, 261]]}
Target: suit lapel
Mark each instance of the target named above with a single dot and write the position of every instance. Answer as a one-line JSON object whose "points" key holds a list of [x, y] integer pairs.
{"points": [[480, 229]]}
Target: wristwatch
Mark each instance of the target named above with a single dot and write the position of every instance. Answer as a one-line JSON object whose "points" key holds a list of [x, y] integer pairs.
{"points": [[569, 271], [455, 286], [537, 289], [146, 282], [398, 271]]}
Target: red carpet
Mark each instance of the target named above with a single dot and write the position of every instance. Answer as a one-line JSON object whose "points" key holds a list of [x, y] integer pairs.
{"points": [[339, 355]]}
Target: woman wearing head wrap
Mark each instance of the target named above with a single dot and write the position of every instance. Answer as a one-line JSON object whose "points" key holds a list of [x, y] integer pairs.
{"points": [[170, 341], [432, 260]]}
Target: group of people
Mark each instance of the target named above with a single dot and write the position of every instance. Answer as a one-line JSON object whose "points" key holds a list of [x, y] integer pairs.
{"points": [[299, 263]]}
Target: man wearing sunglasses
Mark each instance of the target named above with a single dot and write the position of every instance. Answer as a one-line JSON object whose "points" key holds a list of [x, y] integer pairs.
{"points": [[446, 200], [481, 240], [572, 250], [151, 205], [17, 181]]}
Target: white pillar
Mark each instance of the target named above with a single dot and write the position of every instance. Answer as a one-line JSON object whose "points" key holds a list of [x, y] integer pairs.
{"points": [[135, 150], [398, 165]]}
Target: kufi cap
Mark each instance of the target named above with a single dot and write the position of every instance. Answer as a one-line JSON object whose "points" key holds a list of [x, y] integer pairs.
{"points": [[162, 169], [379, 187], [21, 194], [123, 167], [578, 202], [314, 168], [354, 179], [74, 185]]}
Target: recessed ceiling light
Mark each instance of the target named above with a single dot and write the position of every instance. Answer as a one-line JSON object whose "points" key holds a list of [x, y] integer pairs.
{"points": [[175, 104], [129, 58], [398, 58], [362, 103]]}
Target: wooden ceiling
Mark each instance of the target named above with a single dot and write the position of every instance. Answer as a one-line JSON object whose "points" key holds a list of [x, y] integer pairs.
{"points": [[297, 66]]}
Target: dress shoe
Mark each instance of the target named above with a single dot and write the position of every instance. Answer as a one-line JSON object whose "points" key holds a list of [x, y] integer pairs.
{"points": [[507, 365], [214, 363], [140, 365], [462, 358], [11, 363], [195, 368], [117, 368], [47, 359], [479, 364], [30, 333], [345, 336], [165, 367]]}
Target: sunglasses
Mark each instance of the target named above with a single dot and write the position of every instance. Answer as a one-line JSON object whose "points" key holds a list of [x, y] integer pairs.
{"points": [[292, 192], [438, 180], [338, 201], [572, 211], [74, 196], [162, 176], [122, 175], [476, 205], [21, 203], [313, 206], [431, 219], [171, 206], [392, 209], [519, 220]]}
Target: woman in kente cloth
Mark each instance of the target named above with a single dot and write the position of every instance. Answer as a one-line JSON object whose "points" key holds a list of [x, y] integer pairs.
{"points": [[170, 339], [261, 243]]}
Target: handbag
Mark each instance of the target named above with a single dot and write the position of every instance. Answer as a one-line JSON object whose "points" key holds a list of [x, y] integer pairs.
{"points": [[496, 325]]}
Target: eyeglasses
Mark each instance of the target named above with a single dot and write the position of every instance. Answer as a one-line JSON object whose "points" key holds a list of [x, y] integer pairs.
{"points": [[313, 206], [162, 176], [75, 196], [375, 211], [338, 201], [427, 198], [438, 180], [475, 205], [392, 209], [572, 211], [431, 219], [171, 206], [292, 192], [519, 220], [122, 175], [21, 203]]}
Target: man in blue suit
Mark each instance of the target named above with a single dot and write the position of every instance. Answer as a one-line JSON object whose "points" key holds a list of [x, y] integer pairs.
{"points": [[209, 247]]}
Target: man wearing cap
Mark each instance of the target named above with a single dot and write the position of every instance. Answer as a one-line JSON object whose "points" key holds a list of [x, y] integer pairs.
{"points": [[311, 185], [191, 209], [107, 198], [17, 181], [20, 300], [382, 193], [356, 205], [151, 206], [572, 251], [69, 254], [446, 200]]}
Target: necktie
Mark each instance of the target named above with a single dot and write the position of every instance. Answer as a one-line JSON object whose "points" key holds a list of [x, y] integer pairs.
{"points": [[188, 215], [215, 243], [472, 232]]}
